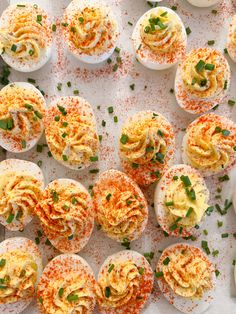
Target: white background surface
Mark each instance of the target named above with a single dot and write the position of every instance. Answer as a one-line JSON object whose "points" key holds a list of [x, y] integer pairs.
{"points": [[102, 87]]}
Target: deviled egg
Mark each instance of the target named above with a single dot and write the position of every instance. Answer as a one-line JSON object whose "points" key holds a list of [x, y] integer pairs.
{"points": [[203, 3], [186, 277], [120, 206], [66, 214], [67, 285], [90, 31], [71, 134], [209, 144], [231, 39], [159, 38], [125, 282], [147, 145], [22, 108], [20, 270], [180, 199], [21, 188], [202, 80], [25, 37]]}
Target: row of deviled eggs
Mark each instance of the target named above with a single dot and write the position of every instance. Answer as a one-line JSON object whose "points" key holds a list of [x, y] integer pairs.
{"points": [[124, 283]]}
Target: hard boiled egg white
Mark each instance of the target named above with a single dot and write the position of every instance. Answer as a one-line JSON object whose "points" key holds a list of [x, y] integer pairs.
{"points": [[74, 245], [9, 144], [24, 244], [185, 305], [141, 262], [17, 64], [144, 56], [160, 194], [203, 3], [24, 167], [65, 264], [231, 45], [78, 5]]}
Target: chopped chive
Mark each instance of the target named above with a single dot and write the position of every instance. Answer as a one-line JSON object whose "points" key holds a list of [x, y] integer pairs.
{"points": [[23, 144], [60, 292], [159, 274], [188, 30], [111, 268], [10, 218], [124, 138], [54, 27], [94, 170], [166, 261], [13, 48], [107, 292], [171, 203], [211, 42], [189, 212], [115, 119], [72, 297], [110, 109], [186, 181], [108, 197]]}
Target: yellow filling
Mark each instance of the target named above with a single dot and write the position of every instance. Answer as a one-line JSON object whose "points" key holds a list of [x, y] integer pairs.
{"points": [[204, 73], [73, 293], [18, 275], [144, 140], [209, 149], [119, 285], [19, 194], [92, 31], [64, 211], [21, 113], [161, 30], [186, 204], [27, 35], [187, 274], [121, 214]]}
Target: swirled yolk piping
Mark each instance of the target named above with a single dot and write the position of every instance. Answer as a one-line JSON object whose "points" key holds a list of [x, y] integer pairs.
{"points": [[188, 274], [210, 143], [204, 73], [72, 294], [21, 113], [91, 31], [27, 34], [161, 31], [19, 194], [119, 285], [121, 213], [144, 140], [63, 210], [186, 204], [71, 135], [18, 275]]}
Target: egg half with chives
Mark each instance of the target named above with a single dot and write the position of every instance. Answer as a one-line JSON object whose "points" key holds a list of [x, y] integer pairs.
{"points": [[90, 30], [71, 132], [209, 144], [66, 214], [159, 38], [125, 282], [67, 285], [181, 200], [22, 107], [25, 37], [20, 270], [21, 188], [202, 80], [203, 3], [231, 39], [187, 278]]}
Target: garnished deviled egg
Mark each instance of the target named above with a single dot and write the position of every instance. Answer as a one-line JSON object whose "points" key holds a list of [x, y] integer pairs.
{"points": [[209, 144], [125, 282], [186, 277], [203, 3], [71, 133], [21, 188], [146, 146], [66, 214], [120, 206], [67, 285], [90, 31], [181, 199], [159, 38], [25, 37], [202, 80], [20, 270], [231, 39], [22, 108]]}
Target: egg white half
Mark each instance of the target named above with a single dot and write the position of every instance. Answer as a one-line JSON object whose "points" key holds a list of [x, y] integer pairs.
{"points": [[24, 244], [203, 3], [137, 41], [27, 168], [8, 144]]}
